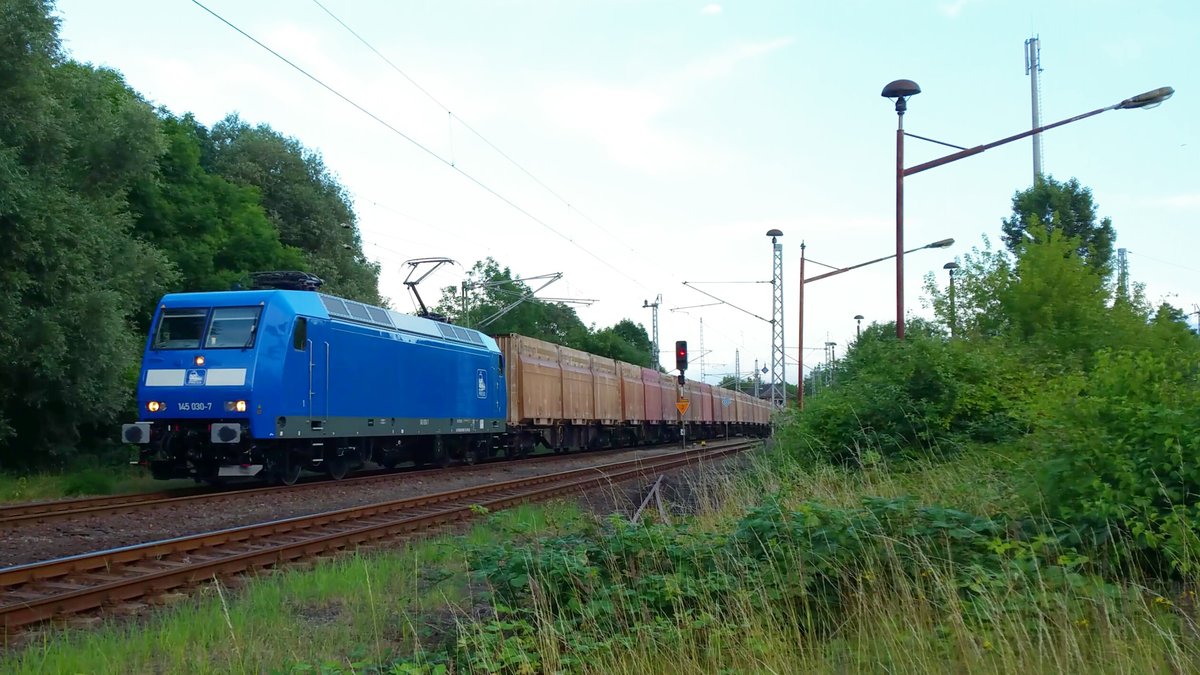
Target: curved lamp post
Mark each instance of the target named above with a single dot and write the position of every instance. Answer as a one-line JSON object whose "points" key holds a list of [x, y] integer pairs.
{"points": [[901, 91], [941, 243]]}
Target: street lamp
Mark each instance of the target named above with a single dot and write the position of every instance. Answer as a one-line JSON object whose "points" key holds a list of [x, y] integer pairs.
{"points": [[858, 329], [941, 243], [951, 266], [901, 91]]}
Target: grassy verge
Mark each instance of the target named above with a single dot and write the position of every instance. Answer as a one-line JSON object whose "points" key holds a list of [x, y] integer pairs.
{"points": [[826, 571], [340, 615], [83, 482], [777, 569]]}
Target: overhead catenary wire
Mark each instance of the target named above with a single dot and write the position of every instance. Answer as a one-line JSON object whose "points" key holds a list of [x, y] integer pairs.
{"points": [[451, 116], [418, 144], [449, 162]]}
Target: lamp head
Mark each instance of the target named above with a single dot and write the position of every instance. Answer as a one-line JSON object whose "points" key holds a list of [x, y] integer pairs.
{"points": [[941, 243], [950, 266], [901, 90], [1149, 99], [774, 232], [859, 317]]}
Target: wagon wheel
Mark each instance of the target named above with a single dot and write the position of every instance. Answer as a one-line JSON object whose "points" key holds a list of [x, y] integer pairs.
{"points": [[289, 472], [337, 467], [441, 456]]}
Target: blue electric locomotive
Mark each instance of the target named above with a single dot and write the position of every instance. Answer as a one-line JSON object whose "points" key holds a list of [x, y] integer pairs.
{"points": [[272, 382]]}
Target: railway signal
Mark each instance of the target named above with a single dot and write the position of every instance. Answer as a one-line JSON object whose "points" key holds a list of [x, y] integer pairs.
{"points": [[681, 355]]}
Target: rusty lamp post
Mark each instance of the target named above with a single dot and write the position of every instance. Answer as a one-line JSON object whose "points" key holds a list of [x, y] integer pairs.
{"points": [[901, 91]]}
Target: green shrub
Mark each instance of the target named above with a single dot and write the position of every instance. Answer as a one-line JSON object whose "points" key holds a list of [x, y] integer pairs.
{"points": [[89, 482], [600, 593], [924, 395], [1124, 457]]}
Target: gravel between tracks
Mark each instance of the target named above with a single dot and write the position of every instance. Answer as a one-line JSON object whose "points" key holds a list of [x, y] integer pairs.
{"points": [[43, 541]]}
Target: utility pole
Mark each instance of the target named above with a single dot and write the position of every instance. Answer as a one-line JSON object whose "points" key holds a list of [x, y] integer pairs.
{"points": [[1122, 274], [830, 357], [1033, 66], [755, 378], [702, 349], [737, 370], [654, 330], [778, 389]]}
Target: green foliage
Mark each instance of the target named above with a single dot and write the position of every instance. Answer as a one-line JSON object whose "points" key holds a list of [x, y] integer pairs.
{"points": [[1126, 460], [89, 482], [1068, 210], [303, 201], [626, 341], [491, 289], [73, 140], [214, 231], [1056, 302], [590, 596], [903, 399], [106, 205]]}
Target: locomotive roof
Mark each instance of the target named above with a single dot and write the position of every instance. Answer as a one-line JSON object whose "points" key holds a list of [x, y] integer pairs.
{"points": [[324, 306]]}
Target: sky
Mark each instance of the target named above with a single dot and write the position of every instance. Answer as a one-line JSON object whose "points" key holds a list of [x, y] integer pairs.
{"points": [[633, 145]]}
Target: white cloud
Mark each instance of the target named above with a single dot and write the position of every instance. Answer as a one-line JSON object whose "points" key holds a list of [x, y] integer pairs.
{"points": [[711, 8], [624, 119], [1184, 201], [954, 8], [1128, 49], [723, 63]]}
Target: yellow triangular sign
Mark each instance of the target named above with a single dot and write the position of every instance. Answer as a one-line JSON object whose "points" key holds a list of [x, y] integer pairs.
{"points": [[682, 406]]}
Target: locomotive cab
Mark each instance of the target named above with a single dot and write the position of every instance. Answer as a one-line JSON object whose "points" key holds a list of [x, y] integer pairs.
{"points": [[195, 391]]}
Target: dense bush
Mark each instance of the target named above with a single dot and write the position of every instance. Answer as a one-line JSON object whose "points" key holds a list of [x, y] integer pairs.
{"points": [[1124, 462], [601, 592], [926, 394]]}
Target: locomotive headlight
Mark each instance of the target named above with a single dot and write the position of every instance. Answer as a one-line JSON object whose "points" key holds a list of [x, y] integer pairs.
{"points": [[200, 360], [235, 406], [154, 406]]}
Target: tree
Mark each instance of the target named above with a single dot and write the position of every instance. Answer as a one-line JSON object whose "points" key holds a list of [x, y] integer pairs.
{"points": [[626, 341], [305, 202], [73, 140], [492, 288], [214, 231], [1065, 208]]}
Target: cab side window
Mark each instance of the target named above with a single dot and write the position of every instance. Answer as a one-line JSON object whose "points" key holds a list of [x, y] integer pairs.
{"points": [[300, 334]]}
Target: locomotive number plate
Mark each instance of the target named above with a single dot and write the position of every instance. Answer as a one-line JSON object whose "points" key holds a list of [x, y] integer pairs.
{"points": [[195, 406]]}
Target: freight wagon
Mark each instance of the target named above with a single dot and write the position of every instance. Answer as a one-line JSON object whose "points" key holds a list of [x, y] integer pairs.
{"points": [[566, 399]]}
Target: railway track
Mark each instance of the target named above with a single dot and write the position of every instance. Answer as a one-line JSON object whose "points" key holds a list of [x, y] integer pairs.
{"points": [[39, 591], [41, 512]]}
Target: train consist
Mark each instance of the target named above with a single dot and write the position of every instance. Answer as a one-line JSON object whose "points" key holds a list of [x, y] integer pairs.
{"points": [[272, 382]]}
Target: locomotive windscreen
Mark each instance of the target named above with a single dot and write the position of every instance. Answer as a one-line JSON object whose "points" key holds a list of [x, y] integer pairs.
{"points": [[230, 328], [180, 329]]}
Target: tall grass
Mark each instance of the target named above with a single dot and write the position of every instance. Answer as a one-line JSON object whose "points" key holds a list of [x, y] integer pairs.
{"points": [[903, 604], [81, 482], [684, 598], [344, 614]]}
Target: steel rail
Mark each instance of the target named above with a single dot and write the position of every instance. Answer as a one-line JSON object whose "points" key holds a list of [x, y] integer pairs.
{"points": [[45, 511], [39, 591]]}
